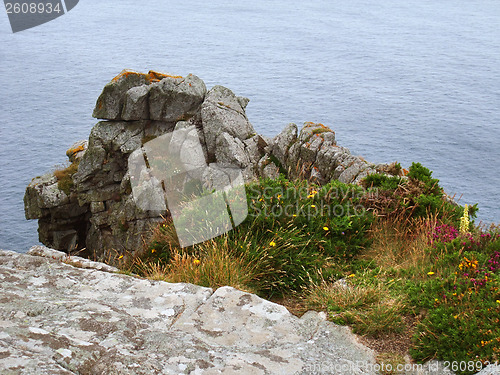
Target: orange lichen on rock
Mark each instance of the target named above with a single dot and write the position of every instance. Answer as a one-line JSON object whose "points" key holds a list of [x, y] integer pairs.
{"points": [[317, 129], [311, 124], [150, 77], [157, 76], [73, 151], [126, 73]]}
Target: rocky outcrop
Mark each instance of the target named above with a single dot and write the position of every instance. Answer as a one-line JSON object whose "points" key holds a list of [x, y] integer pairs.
{"points": [[59, 319], [89, 206]]}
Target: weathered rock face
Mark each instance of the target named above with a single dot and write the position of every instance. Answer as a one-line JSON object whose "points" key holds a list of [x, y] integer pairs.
{"points": [[94, 209], [58, 319]]}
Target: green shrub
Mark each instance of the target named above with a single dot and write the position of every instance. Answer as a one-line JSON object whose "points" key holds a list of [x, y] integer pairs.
{"points": [[420, 173], [382, 181], [295, 231]]}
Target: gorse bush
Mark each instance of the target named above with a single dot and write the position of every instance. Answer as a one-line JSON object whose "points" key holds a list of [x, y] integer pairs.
{"points": [[417, 195], [294, 232]]}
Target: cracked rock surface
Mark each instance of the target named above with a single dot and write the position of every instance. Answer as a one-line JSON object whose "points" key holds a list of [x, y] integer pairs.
{"points": [[59, 319]]}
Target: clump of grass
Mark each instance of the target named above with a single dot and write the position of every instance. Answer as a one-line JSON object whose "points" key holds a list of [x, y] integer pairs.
{"points": [[213, 264], [369, 309], [65, 177], [400, 244]]}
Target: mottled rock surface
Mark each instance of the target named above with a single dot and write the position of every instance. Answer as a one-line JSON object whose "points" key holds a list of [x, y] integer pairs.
{"points": [[59, 319]]}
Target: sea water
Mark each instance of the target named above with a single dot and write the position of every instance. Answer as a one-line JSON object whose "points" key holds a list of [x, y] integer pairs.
{"points": [[415, 80]]}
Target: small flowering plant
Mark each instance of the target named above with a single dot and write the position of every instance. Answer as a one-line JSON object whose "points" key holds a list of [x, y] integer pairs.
{"points": [[444, 233], [464, 301]]}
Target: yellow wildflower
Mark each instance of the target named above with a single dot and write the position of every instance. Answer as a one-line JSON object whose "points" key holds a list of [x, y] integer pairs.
{"points": [[312, 194], [430, 273], [120, 257], [313, 206], [326, 228], [272, 244], [196, 261], [351, 275]]}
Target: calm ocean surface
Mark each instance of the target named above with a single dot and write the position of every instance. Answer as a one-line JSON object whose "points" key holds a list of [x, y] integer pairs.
{"points": [[415, 80]]}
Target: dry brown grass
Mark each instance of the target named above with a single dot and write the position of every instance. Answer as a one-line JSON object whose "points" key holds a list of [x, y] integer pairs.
{"points": [[397, 244], [214, 266], [370, 309]]}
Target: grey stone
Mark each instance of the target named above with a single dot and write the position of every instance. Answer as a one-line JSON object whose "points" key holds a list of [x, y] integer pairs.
{"points": [[492, 369], [76, 261], [97, 207], [43, 193], [292, 160], [325, 159], [350, 173], [231, 151], [310, 148], [359, 178], [136, 106], [91, 164], [267, 168], [282, 142], [316, 176], [309, 129], [243, 101], [77, 150], [175, 99], [222, 112], [255, 148], [110, 103], [58, 319], [65, 239], [215, 177]]}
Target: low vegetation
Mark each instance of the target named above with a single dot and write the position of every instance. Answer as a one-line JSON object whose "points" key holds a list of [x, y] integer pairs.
{"points": [[65, 177], [396, 260]]}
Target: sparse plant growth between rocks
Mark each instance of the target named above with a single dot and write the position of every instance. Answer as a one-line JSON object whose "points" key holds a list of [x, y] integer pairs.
{"points": [[65, 177]]}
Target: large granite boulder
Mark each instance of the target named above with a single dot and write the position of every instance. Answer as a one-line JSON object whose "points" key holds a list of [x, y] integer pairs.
{"points": [[175, 99], [58, 319], [223, 112], [110, 103]]}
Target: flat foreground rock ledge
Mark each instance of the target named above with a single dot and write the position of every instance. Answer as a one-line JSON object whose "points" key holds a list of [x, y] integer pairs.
{"points": [[60, 319]]}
